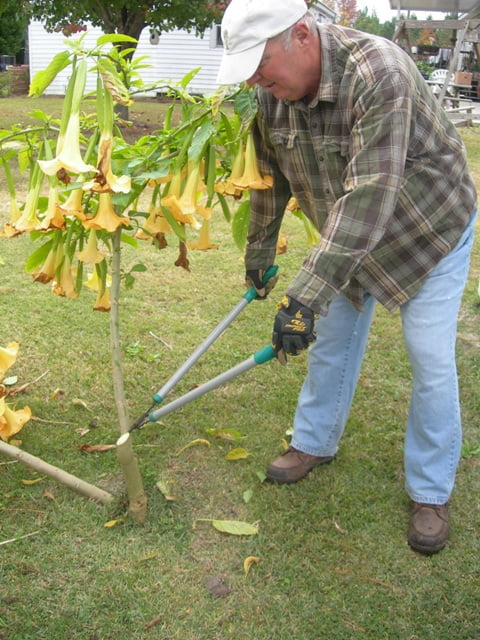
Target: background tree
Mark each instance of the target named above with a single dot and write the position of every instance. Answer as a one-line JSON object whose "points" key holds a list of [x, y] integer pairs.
{"points": [[127, 17], [13, 24], [372, 24], [346, 12]]}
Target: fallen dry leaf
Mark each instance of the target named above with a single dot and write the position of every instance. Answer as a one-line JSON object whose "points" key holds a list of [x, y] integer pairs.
{"points": [[248, 562], [27, 483], [217, 586], [92, 448], [153, 623]]}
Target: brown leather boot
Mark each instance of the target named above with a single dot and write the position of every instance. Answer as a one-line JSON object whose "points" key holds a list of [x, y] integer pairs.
{"points": [[429, 529], [294, 465]]}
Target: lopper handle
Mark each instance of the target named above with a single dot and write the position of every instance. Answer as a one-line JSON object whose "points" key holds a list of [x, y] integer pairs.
{"points": [[251, 293], [260, 357]]}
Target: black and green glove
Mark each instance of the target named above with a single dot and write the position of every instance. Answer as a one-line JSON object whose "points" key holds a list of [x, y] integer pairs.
{"points": [[293, 329], [254, 277]]}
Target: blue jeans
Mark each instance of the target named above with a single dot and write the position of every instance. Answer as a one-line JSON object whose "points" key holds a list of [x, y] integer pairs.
{"points": [[429, 321]]}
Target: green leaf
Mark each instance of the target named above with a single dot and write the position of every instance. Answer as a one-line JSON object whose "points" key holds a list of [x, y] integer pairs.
{"points": [[225, 434], [188, 77], [246, 106], [114, 37], [225, 207], [240, 224], [43, 78], [247, 495], [235, 527], [200, 139], [38, 257], [128, 239], [176, 227], [237, 454]]}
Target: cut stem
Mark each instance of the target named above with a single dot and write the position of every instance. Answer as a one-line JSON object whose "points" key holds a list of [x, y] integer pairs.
{"points": [[65, 478]]}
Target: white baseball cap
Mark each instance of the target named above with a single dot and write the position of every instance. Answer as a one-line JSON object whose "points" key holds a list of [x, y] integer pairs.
{"points": [[246, 27]]}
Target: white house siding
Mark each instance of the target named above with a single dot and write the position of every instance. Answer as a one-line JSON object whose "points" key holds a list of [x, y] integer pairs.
{"points": [[176, 54]]}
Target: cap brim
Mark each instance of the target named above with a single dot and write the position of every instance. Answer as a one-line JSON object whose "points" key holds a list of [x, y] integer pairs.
{"points": [[237, 67]]}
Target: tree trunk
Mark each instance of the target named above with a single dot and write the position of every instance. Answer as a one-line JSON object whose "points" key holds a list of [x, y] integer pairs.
{"points": [[128, 461]]}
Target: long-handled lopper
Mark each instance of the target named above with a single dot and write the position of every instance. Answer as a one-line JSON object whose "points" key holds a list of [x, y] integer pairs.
{"points": [[160, 395]]}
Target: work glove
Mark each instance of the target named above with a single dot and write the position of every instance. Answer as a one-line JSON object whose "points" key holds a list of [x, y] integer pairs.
{"points": [[293, 329], [253, 277]]}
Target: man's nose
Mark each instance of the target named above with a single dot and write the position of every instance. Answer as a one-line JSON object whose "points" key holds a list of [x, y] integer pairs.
{"points": [[253, 79]]}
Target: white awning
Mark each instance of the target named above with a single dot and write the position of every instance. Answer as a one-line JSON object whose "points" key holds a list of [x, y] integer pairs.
{"points": [[447, 6]]}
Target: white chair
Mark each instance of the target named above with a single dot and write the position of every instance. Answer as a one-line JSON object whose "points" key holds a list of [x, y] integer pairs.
{"points": [[438, 74], [437, 80]]}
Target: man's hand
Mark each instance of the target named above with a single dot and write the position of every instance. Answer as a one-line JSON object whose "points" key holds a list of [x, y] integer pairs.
{"points": [[293, 329], [253, 277]]}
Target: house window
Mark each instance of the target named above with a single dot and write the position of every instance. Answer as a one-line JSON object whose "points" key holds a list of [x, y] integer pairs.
{"points": [[216, 36]]}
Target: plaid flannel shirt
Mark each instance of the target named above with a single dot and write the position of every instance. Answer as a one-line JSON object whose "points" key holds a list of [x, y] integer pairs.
{"points": [[374, 163]]}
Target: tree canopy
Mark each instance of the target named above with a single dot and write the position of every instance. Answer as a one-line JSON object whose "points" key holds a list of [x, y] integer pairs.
{"points": [[12, 29], [127, 17]]}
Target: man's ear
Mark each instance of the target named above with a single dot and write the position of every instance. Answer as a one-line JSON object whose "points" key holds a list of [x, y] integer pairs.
{"points": [[301, 32]]}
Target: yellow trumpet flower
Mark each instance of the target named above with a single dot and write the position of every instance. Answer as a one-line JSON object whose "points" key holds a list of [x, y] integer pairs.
{"points": [[90, 253], [105, 218], [203, 243], [105, 181], [73, 205], [69, 156], [15, 212], [49, 268], [29, 220], [184, 207], [226, 187], [102, 303], [12, 421], [94, 283], [8, 356], [251, 178], [54, 216], [65, 286], [155, 223]]}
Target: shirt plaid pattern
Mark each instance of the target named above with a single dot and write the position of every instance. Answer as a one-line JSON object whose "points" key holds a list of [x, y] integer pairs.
{"points": [[376, 165]]}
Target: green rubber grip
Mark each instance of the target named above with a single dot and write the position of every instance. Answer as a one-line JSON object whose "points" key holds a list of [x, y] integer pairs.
{"points": [[251, 293], [264, 355]]}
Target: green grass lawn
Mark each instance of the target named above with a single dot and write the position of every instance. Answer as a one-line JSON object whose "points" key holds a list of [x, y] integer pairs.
{"points": [[333, 559]]}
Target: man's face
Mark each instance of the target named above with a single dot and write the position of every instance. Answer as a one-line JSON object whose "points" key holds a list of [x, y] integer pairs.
{"points": [[288, 75]]}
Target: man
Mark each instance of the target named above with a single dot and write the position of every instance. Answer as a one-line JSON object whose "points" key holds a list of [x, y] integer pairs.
{"points": [[347, 125]]}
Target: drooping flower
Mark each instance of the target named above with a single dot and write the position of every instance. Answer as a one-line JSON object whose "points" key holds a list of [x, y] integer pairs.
{"points": [[102, 303], [8, 356], [73, 205], [105, 218], [227, 187], [104, 180], [90, 253], [251, 178], [12, 421], [69, 156], [155, 223], [47, 271], [65, 285], [203, 243], [183, 207], [54, 216], [29, 219]]}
